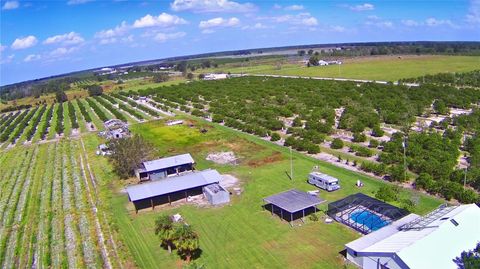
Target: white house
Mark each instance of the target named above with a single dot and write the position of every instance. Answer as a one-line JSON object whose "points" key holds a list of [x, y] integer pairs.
{"points": [[215, 76], [414, 242]]}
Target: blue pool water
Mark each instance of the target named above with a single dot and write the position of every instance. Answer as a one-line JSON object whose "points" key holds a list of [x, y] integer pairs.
{"points": [[370, 220]]}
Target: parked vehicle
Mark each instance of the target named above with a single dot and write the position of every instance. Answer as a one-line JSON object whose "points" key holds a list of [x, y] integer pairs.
{"points": [[323, 181]]}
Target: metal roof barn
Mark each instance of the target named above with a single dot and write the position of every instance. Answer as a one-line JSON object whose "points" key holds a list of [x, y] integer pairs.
{"points": [[151, 193], [293, 201], [168, 162]]}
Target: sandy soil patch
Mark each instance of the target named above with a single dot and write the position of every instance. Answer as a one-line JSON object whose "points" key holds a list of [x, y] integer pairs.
{"points": [[225, 157]]}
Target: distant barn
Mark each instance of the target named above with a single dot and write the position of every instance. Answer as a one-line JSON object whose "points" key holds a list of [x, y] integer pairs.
{"points": [[162, 168]]}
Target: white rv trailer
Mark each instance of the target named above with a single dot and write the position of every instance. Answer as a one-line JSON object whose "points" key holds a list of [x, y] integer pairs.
{"points": [[323, 181]]}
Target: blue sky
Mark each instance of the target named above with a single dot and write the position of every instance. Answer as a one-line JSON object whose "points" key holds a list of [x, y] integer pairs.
{"points": [[43, 38]]}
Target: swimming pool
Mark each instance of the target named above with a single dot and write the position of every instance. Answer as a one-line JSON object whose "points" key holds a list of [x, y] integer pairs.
{"points": [[369, 219]]}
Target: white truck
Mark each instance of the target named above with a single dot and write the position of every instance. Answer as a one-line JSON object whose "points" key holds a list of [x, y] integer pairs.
{"points": [[323, 181]]}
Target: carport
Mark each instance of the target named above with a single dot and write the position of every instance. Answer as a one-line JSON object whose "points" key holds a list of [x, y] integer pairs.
{"points": [[292, 204]]}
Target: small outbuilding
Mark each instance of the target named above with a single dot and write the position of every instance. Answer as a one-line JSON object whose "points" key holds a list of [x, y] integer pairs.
{"points": [[162, 168], [292, 204], [216, 194]]}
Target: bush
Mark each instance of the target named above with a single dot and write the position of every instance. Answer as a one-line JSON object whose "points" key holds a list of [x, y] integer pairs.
{"points": [[94, 90], [388, 193], [337, 143], [359, 137], [373, 143], [275, 137], [313, 217], [377, 131]]}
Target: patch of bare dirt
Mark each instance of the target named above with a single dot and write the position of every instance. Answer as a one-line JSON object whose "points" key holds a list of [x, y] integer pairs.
{"points": [[226, 157], [275, 157]]}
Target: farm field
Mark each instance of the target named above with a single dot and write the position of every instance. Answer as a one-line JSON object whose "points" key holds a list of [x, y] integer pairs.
{"points": [[49, 209], [77, 93], [242, 234], [384, 68], [84, 201]]}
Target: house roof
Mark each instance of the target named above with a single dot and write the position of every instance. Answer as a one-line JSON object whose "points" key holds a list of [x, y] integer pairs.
{"points": [[293, 200], [173, 184], [434, 246], [168, 162]]}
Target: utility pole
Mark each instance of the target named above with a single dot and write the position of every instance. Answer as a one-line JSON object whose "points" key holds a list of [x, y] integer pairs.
{"points": [[291, 164], [466, 167], [404, 144]]}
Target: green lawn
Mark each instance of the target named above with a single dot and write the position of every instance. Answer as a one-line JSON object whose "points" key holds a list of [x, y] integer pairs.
{"points": [[389, 68], [242, 234]]}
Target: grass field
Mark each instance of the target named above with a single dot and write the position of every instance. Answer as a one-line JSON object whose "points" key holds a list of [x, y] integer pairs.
{"points": [[386, 68], [242, 234]]}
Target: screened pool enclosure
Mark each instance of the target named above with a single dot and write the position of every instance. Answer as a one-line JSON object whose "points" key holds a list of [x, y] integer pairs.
{"points": [[364, 213]]}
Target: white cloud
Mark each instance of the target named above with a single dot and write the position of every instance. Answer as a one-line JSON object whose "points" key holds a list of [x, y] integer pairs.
{"points": [[162, 20], [117, 31], [304, 19], [410, 23], [78, 2], [294, 7], [32, 57], [106, 41], [162, 37], [277, 6], [257, 25], [71, 38], [473, 15], [378, 22], [9, 5], [24, 42], [9, 59], [59, 52], [208, 31], [337, 28], [210, 6], [2, 47], [435, 22], [361, 7], [219, 22]]}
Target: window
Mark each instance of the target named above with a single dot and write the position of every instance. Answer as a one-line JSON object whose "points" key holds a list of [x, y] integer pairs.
{"points": [[454, 222], [444, 218]]}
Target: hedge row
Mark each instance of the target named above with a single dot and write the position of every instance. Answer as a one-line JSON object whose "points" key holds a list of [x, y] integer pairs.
{"points": [[59, 128], [22, 125], [110, 108], [83, 111], [11, 126], [35, 123], [72, 115], [48, 118], [97, 110]]}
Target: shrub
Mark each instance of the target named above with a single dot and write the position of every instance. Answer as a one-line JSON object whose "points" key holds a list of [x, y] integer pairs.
{"points": [[373, 143], [359, 137], [275, 137], [337, 143], [388, 193], [313, 217]]}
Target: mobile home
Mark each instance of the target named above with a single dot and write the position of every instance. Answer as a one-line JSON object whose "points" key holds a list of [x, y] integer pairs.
{"points": [[323, 181]]}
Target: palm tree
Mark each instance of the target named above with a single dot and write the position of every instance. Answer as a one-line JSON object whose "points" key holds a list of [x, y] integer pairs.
{"points": [[164, 228], [186, 241]]}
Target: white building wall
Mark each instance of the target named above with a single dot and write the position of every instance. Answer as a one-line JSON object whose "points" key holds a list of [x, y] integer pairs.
{"points": [[374, 261]]}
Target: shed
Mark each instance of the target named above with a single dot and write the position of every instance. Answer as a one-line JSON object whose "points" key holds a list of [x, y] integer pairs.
{"points": [[216, 194], [292, 204], [174, 188], [162, 168]]}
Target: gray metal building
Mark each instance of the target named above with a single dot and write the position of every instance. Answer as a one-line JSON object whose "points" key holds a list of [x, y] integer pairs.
{"points": [[216, 194], [162, 168]]}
